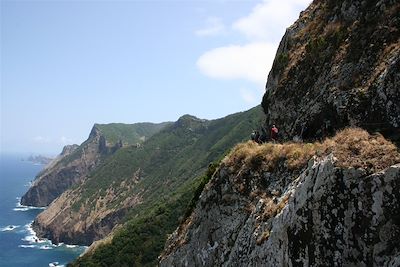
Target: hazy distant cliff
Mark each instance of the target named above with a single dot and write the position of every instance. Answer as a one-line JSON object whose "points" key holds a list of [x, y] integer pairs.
{"points": [[75, 162]]}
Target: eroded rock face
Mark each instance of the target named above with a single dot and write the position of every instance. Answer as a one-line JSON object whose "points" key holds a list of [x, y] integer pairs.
{"points": [[327, 216], [61, 222], [68, 169], [338, 65]]}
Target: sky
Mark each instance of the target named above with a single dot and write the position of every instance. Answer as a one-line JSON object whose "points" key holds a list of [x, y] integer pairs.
{"points": [[66, 65]]}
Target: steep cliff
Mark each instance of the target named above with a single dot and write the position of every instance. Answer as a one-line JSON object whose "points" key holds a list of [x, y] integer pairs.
{"points": [[76, 162], [266, 206], [337, 65], [135, 181]]}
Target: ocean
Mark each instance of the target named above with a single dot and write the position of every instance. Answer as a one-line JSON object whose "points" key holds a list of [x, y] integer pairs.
{"points": [[19, 245]]}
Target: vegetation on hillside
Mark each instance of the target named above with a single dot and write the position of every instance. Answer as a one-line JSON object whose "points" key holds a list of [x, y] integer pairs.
{"points": [[129, 133], [178, 153], [142, 238], [167, 173]]}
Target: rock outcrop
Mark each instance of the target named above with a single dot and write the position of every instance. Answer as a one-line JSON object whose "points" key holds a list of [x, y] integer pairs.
{"points": [[338, 65], [328, 215]]}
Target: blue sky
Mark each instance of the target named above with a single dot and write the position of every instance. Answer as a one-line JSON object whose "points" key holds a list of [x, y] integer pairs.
{"points": [[66, 65]]}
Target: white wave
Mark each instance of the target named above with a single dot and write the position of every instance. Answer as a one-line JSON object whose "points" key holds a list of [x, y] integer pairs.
{"points": [[20, 207], [33, 241], [26, 246], [31, 236], [55, 264], [26, 208], [46, 247], [9, 228]]}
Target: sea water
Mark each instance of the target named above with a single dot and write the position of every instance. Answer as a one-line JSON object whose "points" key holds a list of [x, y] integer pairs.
{"points": [[19, 245]]}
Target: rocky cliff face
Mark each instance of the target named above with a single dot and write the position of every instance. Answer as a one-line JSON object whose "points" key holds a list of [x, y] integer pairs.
{"points": [[338, 65], [328, 214]]}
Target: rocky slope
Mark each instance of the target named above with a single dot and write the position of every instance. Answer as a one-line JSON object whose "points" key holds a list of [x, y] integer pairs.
{"points": [[337, 65], [336, 211], [76, 162], [134, 178]]}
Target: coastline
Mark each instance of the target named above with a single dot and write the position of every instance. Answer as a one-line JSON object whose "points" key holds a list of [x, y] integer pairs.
{"points": [[33, 238]]}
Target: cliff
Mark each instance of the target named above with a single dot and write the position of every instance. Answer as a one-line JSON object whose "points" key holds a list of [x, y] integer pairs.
{"points": [[337, 65], [266, 206], [76, 162], [135, 181]]}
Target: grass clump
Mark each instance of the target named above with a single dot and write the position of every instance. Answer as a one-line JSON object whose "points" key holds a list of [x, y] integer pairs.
{"points": [[353, 147], [267, 156]]}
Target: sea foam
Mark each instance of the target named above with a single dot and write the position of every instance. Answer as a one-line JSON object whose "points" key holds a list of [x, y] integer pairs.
{"points": [[9, 228], [20, 207]]}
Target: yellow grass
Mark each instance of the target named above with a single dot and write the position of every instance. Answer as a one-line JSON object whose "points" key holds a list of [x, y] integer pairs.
{"points": [[353, 147]]}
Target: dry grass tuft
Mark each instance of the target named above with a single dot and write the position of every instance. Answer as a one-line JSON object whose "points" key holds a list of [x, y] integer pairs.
{"points": [[264, 237], [353, 147]]}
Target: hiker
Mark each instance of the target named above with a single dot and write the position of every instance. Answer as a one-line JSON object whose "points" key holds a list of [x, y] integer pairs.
{"points": [[274, 133], [263, 136], [255, 136]]}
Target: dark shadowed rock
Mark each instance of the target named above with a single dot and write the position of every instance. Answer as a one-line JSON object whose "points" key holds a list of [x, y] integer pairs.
{"points": [[338, 65]]}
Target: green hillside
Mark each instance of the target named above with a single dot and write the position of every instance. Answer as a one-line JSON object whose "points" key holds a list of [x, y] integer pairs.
{"points": [[129, 133], [171, 166], [70, 169]]}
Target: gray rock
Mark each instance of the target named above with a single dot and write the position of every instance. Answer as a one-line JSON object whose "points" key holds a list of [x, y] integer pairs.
{"points": [[327, 216]]}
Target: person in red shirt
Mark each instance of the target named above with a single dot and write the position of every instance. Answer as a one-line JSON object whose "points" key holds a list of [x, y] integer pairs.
{"points": [[274, 133]]}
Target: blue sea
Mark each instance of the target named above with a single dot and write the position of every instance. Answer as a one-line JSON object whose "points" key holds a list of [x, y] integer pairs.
{"points": [[19, 245]]}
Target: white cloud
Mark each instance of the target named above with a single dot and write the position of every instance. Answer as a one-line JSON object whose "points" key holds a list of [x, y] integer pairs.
{"points": [[214, 26], [42, 140], [263, 28], [269, 19], [249, 62]]}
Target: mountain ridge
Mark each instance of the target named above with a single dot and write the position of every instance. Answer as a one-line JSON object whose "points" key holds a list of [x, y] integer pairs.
{"points": [[139, 178], [75, 162]]}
